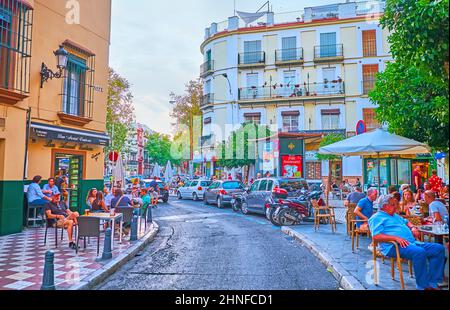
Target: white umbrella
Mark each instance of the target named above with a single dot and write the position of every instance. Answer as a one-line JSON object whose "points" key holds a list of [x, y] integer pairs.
{"points": [[118, 173], [168, 174], [377, 142], [156, 171], [233, 173]]}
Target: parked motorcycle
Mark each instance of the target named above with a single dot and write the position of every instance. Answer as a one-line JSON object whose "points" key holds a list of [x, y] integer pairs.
{"points": [[295, 211]]}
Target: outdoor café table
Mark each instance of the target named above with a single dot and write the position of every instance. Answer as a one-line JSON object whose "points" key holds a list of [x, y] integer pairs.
{"points": [[112, 220], [432, 230]]}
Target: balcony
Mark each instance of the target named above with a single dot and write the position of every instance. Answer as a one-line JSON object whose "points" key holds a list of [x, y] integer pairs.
{"points": [[329, 53], [251, 59], [368, 85], [74, 119], [300, 91], [206, 140], [290, 56], [207, 100], [207, 68]]}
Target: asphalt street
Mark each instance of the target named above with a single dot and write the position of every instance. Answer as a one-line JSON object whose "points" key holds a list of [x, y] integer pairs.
{"points": [[202, 247]]}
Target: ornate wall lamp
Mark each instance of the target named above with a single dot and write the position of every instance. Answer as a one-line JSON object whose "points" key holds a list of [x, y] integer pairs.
{"points": [[61, 57]]}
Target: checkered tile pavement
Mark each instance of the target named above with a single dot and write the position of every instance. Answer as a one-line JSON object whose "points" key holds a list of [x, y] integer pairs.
{"points": [[22, 259]]}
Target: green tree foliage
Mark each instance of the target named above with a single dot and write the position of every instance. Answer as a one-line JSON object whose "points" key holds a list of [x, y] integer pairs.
{"points": [[327, 140], [119, 110], [240, 149], [412, 93], [159, 148]]}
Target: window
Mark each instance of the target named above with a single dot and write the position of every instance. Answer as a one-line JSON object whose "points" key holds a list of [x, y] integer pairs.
{"points": [[74, 86], [290, 120], [232, 185], [289, 82], [252, 52], [329, 75], [369, 118], [328, 44], [313, 170], [255, 186], [252, 86], [263, 186], [270, 185], [369, 73], [206, 183], [253, 118], [15, 45], [369, 40], [207, 87], [289, 49], [330, 119]]}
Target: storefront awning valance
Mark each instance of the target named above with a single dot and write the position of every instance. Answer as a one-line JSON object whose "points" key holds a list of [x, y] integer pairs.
{"points": [[51, 132]]}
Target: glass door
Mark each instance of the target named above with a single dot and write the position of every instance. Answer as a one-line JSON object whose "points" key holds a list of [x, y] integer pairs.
{"points": [[72, 166]]}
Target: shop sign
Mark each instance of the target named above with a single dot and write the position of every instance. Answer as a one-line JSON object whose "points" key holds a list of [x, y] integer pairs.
{"points": [[311, 156], [292, 166], [291, 147], [63, 134]]}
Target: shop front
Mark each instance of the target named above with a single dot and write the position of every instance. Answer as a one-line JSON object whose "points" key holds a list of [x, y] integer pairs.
{"points": [[396, 170], [78, 154]]}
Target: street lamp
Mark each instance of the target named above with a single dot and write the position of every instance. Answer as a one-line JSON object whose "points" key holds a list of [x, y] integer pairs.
{"points": [[61, 58], [225, 76]]}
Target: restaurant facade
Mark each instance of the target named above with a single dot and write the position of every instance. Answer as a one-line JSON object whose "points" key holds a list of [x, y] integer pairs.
{"points": [[53, 93]]}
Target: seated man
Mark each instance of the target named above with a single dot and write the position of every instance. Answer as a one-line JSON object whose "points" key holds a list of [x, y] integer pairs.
{"points": [[50, 188], [436, 208], [388, 226], [35, 195], [354, 197], [58, 214], [364, 208]]}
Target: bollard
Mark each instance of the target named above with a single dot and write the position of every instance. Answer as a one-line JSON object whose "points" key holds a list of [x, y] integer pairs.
{"points": [[149, 214], [48, 281], [134, 228], [107, 252]]}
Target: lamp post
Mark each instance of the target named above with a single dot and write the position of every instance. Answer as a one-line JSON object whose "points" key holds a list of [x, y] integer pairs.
{"points": [[61, 57]]}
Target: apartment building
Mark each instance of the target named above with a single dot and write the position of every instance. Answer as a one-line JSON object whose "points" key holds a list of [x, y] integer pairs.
{"points": [[308, 77], [54, 59]]}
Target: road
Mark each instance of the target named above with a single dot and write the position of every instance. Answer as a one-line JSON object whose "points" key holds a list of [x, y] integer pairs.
{"points": [[202, 247]]}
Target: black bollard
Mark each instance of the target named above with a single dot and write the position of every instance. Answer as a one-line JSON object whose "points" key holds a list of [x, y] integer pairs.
{"points": [[149, 214], [48, 281], [107, 252], [134, 228]]}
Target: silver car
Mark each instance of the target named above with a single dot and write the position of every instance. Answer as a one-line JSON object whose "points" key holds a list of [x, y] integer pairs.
{"points": [[221, 192]]}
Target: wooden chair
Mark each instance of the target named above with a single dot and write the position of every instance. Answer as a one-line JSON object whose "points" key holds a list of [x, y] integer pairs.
{"points": [[397, 259], [354, 231], [351, 206], [323, 213]]}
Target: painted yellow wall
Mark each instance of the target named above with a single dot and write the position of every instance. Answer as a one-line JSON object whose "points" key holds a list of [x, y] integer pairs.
{"points": [[308, 40], [271, 113], [310, 114], [349, 40], [350, 77], [351, 117], [270, 45]]}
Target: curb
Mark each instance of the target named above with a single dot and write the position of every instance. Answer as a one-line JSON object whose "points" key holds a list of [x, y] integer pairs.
{"points": [[115, 263], [344, 278]]}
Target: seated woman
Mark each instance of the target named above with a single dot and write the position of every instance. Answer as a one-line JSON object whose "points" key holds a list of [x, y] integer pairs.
{"points": [[120, 200], [58, 214], [92, 195], [408, 202], [99, 205]]}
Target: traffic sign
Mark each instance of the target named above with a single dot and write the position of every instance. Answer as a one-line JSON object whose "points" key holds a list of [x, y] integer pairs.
{"points": [[113, 156], [361, 128]]}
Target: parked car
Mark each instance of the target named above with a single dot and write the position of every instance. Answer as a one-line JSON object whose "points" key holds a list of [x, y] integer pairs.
{"points": [[194, 189], [221, 192], [266, 191], [163, 189]]}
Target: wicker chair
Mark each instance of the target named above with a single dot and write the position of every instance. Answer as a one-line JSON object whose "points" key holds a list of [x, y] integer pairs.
{"points": [[354, 231], [323, 213], [351, 206], [393, 260]]}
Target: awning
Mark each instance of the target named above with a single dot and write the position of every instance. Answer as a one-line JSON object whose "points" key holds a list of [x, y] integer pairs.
{"points": [[50, 132]]}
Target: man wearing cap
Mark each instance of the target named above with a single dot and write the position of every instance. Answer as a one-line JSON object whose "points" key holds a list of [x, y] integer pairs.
{"points": [[58, 214], [428, 258]]}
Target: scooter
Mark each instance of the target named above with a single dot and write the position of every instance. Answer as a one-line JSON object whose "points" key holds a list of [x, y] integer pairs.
{"points": [[296, 211]]}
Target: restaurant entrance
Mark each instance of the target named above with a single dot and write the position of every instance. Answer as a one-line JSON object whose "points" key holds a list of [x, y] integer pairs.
{"points": [[72, 166]]}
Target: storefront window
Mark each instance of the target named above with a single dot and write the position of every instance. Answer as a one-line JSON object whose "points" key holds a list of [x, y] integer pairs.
{"points": [[372, 172], [403, 171]]}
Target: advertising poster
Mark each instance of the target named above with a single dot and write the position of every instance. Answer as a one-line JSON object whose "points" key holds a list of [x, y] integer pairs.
{"points": [[268, 163], [291, 166]]}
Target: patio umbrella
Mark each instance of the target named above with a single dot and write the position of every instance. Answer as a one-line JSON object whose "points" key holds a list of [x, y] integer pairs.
{"points": [[156, 171], [377, 142], [168, 174], [233, 173], [118, 172]]}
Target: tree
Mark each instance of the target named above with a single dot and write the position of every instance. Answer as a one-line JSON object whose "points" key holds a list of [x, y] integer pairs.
{"points": [[327, 140], [119, 110], [412, 93], [158, 147]]}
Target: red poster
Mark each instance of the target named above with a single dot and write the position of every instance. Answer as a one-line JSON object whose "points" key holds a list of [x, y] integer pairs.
{"points": [[292, 166]]}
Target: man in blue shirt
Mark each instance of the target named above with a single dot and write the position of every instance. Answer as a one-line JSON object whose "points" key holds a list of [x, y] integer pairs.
{"points": [[387, 226], [50, 189], [436, 208], [354, 197], [35, 195], [364, 208]]}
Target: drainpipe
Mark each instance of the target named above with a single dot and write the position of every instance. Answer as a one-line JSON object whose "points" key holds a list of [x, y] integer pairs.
{"points": [[27, 137]]}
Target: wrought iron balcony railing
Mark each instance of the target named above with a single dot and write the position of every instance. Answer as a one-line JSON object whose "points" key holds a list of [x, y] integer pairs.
{"points": [[252, 58], [328, 52], [336, 87], [207, 99], [207, 68], [289, 55]]}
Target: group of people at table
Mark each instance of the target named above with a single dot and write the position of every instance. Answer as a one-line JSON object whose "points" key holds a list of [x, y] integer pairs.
{"points": [[390, 223], [57, 212]]}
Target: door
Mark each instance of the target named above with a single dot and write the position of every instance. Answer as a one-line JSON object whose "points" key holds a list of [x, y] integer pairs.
{"points": [[252, 86], [191, 188], [328, 74], [260, 200], [251, 196], [328, 44], [289, 51], [252, 52], [210, 196], [72, 166], [289, 82]]}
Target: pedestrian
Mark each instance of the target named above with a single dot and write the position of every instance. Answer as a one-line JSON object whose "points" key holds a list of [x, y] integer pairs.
{"points": [[258, 176], [435, 182], [417, 178], [59, 179]]}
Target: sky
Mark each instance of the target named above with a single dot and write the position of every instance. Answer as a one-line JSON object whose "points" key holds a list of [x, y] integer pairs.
{"points": [[155, 44]]}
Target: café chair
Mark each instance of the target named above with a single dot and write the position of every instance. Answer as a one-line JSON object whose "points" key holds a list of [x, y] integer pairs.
{"points": [[88, 227], [34, 218], [393, 260], [351, 206], [51, 223], [354, 231], [127, 214], [323, 213]]}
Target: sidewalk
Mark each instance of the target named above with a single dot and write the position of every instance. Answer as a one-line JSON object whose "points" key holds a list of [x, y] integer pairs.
{"points": [[354, 271], [22, 259]]}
